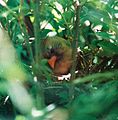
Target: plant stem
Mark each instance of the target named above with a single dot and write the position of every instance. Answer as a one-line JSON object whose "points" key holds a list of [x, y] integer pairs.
{"points": [[74, 53], [75, 42], [97, 77], [38, 55]]}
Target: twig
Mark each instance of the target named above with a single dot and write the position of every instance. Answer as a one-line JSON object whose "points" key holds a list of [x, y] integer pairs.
{"points": [[38, 54], [37, 31], [75, 42], [74, 52]]}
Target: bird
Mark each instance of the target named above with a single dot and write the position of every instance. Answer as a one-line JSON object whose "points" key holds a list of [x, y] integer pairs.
{"points": [[58, 52]]}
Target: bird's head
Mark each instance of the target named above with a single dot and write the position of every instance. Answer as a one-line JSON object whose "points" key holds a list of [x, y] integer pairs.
{"points": [[59, 54]]}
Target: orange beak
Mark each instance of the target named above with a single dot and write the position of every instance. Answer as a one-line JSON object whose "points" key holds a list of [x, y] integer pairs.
{"points": [[52, 61]]}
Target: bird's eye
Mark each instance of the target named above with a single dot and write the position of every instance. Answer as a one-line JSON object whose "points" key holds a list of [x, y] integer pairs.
{"points": [[52, 51]]}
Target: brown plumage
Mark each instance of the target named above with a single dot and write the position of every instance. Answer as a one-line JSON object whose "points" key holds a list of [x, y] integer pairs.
{"points": [[59, 54]]}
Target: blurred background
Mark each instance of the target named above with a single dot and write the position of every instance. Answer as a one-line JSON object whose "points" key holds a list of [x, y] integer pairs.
{"points": [[87, 30]]}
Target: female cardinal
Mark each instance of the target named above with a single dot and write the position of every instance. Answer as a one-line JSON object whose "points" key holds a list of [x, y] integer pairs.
{"points": [[59, 54]]}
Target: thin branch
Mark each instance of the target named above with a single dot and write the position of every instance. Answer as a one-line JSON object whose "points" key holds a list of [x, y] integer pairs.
{"points": [[74, 51], [37, 31], [75, 41], [38, 54]]}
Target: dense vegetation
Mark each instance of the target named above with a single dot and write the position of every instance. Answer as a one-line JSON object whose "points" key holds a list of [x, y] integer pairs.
{"points": [[28, 88]]}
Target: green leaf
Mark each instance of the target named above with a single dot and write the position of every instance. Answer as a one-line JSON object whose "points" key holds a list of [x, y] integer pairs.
{"points": [[65, 3], [13, 3], [67, 16], [109, 47], [44, 33], [105, 35]]}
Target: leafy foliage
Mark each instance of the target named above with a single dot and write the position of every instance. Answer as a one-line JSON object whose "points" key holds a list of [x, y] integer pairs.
{"points": [[38, 94]]}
